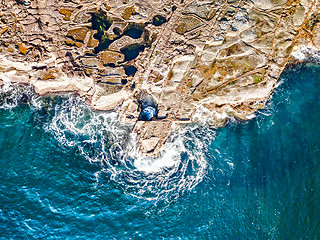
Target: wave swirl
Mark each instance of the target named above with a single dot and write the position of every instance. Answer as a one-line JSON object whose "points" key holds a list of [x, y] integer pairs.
{"points": [[102, 139]]}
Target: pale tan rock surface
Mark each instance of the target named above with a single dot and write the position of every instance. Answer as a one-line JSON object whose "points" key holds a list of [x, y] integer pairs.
{"points": [[211, 59]]}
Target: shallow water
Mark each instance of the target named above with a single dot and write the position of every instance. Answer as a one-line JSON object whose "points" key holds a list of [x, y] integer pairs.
{"points": [[69, 172]]}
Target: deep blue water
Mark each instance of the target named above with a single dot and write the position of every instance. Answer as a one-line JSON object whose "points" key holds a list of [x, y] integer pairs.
{"points": [[68, 172]]}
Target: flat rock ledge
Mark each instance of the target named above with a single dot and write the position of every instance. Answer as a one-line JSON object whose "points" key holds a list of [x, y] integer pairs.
{"points": [[198, 59]]}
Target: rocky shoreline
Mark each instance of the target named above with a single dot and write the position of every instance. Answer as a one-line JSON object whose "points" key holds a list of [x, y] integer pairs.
{"points": [[196, 59]]}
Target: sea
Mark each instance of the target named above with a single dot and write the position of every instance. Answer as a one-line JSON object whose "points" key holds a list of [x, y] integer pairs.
{"points": [[69, 172]]}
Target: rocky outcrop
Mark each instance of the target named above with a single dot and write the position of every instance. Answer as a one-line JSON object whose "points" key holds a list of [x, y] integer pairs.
{"points": [[211, 59]]}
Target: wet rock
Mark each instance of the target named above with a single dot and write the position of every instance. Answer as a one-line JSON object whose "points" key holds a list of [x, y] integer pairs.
{"points": [[132, 111], [149, 145]]}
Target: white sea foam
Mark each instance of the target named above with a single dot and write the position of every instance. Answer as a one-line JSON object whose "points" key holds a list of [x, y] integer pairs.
{"points": [[306, 54], [12, 94], [102, 139], [299, 55], [205, 116]]}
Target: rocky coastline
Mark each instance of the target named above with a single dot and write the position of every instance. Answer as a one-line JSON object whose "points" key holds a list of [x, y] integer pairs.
{"points": [[179, 61]]}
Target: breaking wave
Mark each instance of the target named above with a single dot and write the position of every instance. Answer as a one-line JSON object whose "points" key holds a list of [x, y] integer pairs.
{"points": [[102, 139]]}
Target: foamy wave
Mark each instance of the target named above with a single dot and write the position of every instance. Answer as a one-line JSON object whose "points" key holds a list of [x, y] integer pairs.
{"points": [[205, 116], [74, 122], [101, 137], [13, 94], [304, 54], [104, 140]]}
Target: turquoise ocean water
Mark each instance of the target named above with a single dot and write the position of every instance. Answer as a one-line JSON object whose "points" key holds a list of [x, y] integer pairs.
{"points": [[67, 172]]}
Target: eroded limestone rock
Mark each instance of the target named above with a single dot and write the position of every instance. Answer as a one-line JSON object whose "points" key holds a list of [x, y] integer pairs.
{"points": [[211, 58]]}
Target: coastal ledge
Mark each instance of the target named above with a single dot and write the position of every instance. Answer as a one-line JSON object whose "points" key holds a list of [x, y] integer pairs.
{"points": [[196, 59]]}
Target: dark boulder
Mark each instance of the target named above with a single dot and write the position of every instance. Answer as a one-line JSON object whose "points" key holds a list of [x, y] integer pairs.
{"points": [[148, 106]]}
